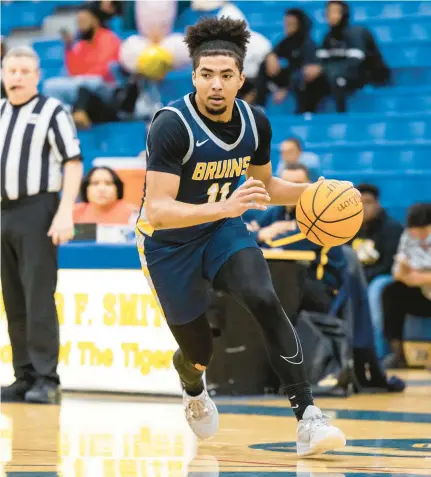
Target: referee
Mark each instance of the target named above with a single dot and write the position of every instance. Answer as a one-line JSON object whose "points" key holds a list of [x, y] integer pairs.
{"points": [[40, 156]]}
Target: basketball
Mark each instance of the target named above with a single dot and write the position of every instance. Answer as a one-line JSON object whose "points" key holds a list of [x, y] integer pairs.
{"points": [[330, 213], [154, 62]]}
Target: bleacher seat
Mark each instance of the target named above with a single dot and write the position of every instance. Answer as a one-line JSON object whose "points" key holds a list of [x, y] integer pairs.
{"points": [[23, 14], [353, 129]]}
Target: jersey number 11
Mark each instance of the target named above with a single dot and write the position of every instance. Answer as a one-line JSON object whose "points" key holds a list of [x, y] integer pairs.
{"points": [[214, 190]]}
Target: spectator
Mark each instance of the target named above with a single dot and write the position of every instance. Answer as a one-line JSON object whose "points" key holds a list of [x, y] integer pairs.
{"points": [[291, 64], [278, 225], [335, 272], [377, 240], [292, 152], [88, 61], [342, 54], [411, 292], [102, 193], [90, 108]]}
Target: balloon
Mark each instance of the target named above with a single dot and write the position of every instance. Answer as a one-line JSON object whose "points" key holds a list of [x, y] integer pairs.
{"points": [[154, 62], [130, 50], [175, 44], [155, 18]]}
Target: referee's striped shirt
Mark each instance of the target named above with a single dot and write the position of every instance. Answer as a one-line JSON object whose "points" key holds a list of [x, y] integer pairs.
{"points": [[36, 139]]}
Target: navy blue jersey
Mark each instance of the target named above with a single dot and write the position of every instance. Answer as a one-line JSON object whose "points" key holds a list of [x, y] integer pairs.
{"points": [[183, 142]]}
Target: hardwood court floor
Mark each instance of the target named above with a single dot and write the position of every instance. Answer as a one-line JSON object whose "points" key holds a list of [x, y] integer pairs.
{"points": [[110, 436]]}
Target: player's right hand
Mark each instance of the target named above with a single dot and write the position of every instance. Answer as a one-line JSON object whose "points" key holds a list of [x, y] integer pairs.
{"points": [[250, 195]]}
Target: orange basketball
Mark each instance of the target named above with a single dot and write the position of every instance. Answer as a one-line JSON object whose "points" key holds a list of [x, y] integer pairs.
{"points": [[330, 213]]}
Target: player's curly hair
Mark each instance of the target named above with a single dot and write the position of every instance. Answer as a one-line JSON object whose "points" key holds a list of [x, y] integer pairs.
{"points": [[218, 36]]}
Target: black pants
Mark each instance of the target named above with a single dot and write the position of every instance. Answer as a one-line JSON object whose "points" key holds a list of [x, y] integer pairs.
{"points": [[29, 279], [246, 277], [398, 301]]}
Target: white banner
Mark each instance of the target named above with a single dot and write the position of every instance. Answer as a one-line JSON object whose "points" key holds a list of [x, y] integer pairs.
{"points": [[113, 336]]}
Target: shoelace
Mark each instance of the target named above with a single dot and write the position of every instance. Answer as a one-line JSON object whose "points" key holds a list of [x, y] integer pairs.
{"points": [[197, 409], [316, 421]]}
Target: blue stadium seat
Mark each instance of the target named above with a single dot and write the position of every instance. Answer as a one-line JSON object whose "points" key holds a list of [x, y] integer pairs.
{"points": [[412, 76], [122, 138], [176, 84], [23, 14], [376, 158], [49, 50], [354, 129]]}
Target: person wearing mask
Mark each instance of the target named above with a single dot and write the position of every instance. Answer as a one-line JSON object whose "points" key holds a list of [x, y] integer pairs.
{"points": [[102, 193], [377, 240], [292, 65], [88, 60], [411, 291]]}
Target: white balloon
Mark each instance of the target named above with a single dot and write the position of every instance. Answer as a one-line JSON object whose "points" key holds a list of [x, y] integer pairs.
{"points": [[257, 49], [155, 15], [232, 11], [175, 44], [130, 50]]}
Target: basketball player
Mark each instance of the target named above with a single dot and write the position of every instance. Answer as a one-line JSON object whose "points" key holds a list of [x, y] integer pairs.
{"points": [[198, 149]]}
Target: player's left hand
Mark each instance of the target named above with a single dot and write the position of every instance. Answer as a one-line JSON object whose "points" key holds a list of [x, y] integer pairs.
{"points": [[61, 230]]}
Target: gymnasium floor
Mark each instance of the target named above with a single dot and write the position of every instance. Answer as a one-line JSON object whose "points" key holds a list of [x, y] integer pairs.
{"points": [[110, 436]]}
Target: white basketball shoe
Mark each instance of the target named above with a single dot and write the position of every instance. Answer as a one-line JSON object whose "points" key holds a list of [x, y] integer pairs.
{"points": [[315, 436], [201, 414]]}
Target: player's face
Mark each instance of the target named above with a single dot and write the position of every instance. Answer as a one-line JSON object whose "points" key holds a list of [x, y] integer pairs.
{"points": [[217, 80], [371, 206], [101, 189], [20, 76]]}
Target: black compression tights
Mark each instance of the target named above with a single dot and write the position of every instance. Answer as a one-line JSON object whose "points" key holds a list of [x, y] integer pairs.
{"points": [[246, 277]]}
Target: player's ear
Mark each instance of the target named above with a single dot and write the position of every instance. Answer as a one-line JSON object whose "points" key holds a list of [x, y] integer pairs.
{"points": [[241, 79], [194, 78]]}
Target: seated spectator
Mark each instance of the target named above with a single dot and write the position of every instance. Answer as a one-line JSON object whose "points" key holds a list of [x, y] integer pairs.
{"points": [[411, 292], [88, 60], [102, 199], [292, 152], [377, 240], [349, 56], [90, 108], [335, 275], [278, 228], [292, 65]]}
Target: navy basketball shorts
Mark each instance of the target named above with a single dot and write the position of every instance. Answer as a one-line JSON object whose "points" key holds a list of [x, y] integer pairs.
{"points": [[180, 275]]}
